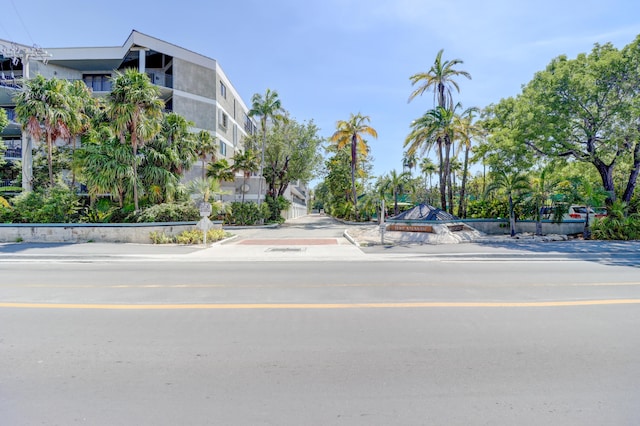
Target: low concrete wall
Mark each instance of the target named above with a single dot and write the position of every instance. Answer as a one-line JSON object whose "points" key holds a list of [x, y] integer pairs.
{"points": [[83, 232], [501, 226]]}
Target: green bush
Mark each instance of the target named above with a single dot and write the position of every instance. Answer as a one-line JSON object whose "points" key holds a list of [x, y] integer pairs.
{"points": [[167, 212], [244, 214], [276, 205], [617, 225], [51, 205]]}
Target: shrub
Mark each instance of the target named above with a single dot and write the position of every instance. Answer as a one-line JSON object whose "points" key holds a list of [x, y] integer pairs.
{"points": [[54, 205], [244, 214], [167, 212]]}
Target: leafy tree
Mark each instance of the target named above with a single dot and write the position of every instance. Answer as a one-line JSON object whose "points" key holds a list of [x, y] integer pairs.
{"points": [[585, 109], [350, 133], [513, 185], [135, 111], [292, 154]]}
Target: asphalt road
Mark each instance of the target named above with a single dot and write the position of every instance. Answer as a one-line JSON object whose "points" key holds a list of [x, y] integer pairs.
{"points": [[467, 335]]}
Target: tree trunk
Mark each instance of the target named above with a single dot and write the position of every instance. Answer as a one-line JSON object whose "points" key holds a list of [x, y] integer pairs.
{"points": [[447, 169], [539, 222], [135, 174], [512, 217], [353, 175], [462, 206], [633, 176], [606, 174], [441, 176], [50, 158]]}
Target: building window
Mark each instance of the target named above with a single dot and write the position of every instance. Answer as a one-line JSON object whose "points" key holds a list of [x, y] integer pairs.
{"points": [[223, 148], [98, 82], [223, 90], [224, 120]]}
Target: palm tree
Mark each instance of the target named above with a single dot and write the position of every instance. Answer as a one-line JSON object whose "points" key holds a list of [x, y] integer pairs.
{"points": [[396, 182], [440, 79], [205, 146], [428, 168], [43, 108], [466, 131], [177, 143], [541, 190], [267, 108], [106, 165], [135, 110], [409, 161], [246, 162], [513, 184], [221, 170], [350, 132], [85, 107], [435, 128]]}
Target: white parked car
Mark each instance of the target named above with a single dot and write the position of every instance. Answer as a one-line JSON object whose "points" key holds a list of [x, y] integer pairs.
{"points": [[575, 212]]}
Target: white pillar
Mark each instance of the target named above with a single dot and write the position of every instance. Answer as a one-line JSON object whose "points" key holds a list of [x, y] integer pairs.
{"points": [[142, 56], [27, 162]]}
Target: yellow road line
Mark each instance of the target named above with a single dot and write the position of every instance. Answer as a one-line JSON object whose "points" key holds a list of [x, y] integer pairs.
{"points": [[230, 306]]}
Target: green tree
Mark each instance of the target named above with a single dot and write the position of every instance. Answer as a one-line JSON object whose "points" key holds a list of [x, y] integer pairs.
{"points": [[268, 108], [292, 154], [586, 109], [350, 133], [513, 185], [43, 109], [135, 111]]}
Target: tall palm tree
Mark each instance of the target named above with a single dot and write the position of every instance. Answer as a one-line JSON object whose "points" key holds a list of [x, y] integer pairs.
{"points": [[135, 110], [350, 132], [205, 146], [43, 109], [435, 128], [466, 131], [513, 184], [441, 79], [268, 108]]}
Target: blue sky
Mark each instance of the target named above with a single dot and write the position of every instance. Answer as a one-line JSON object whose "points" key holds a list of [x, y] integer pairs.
{"points": [[330, 58]]}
